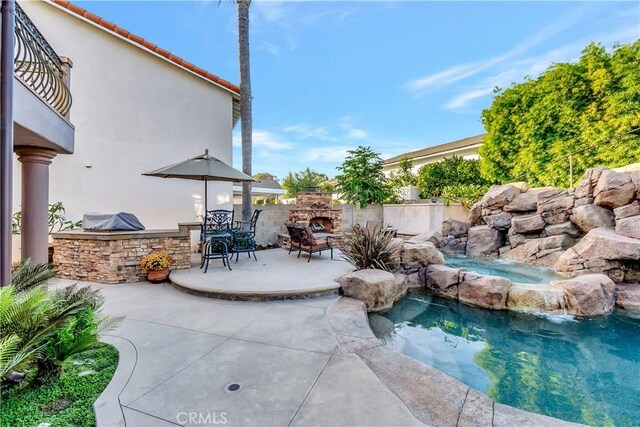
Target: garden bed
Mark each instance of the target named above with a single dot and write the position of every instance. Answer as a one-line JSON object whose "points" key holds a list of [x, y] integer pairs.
{"points": [[66, 400]]}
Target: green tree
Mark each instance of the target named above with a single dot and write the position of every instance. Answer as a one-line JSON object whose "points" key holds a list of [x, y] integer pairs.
{"points": [[295, 182], [399, 179], [361, 180], [450, 171], [263, 175], [590, 108]]}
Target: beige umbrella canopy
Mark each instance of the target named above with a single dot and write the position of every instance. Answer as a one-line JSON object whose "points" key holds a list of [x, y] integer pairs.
{"points": [[201, 168]]}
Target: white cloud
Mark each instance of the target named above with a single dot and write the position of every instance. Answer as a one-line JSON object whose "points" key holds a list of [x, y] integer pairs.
{"points": [[464, 98], [516, 70], [304, 131], [421, 86], [266, 139], [325, 154], [356, 133]]}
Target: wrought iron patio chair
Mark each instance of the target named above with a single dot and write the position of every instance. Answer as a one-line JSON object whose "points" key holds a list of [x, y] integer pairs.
{"points": [[244, 240], [216, 222], [238, 225]]}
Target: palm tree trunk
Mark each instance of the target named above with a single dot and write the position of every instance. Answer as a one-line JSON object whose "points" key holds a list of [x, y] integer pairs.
{"points": [[245, 102]]}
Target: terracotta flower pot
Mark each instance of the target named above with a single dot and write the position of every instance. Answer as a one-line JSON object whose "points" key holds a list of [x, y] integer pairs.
{"points": [[157, 276]]}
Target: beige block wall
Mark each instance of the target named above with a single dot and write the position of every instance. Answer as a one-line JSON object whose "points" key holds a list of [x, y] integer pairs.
{"points": [[272, 219], [270, 222], [421, 217]]}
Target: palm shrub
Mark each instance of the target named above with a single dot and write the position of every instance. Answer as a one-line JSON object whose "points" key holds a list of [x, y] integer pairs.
{"points": [[38, 328], [371, 247], [26, 275], [82, 332]]}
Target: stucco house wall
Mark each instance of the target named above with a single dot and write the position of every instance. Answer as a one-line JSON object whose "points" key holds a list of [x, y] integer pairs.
{"points": [[133, 112], [466, 148]]}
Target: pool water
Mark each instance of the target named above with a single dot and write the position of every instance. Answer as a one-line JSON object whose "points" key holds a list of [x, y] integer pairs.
{"points": [[580, 370], [514, 271]]}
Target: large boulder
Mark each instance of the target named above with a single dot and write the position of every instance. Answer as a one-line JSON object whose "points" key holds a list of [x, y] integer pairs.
{"points": [[635, 178], [555, 207], [454, 245], [588, 294], [588, 182], [614, 189], [485, 291], [475, 214], [607, 244], [483, 240], [588, 217], [567, 228], [378, 289], [432, 237], [628, 297], [442, 277], [499, 195], [626, 211], [538, 297], [417, 255], [455, 228], [544, 251], [528, 223], [528, 202], [629, 227], [602, 250], [499, 221]]}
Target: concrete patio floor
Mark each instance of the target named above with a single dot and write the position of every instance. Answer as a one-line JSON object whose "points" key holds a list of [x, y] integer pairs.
{"points": [[275, 274], [179, 354]]}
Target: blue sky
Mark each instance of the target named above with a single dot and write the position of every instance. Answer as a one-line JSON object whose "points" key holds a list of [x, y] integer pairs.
{"points": [[397, 76]]}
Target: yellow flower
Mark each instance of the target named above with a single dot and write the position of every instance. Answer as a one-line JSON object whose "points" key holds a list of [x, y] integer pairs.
{"points": [[155, 261]]}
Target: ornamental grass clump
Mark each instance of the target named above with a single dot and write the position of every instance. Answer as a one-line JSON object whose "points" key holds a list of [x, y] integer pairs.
{"points": [[155, 261], [372, 247]]}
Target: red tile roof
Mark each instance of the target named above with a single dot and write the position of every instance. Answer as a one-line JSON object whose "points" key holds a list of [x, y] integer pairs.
{"points": [[145, 44]]}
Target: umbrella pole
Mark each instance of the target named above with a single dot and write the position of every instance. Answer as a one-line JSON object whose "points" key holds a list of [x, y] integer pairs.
{"points": [[205, 197]]}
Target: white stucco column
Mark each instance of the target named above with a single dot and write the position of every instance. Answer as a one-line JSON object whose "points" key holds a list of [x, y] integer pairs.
{"points": [[35, 202]]}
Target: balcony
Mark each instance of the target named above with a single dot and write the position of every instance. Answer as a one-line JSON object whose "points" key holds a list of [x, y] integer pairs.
{"points": [[42, 97]]}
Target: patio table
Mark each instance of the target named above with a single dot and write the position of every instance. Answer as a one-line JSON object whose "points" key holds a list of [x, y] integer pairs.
{"points": [[208, 253]]}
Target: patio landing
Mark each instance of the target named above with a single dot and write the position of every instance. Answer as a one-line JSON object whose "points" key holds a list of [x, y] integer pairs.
{"points": [[276, 275]]}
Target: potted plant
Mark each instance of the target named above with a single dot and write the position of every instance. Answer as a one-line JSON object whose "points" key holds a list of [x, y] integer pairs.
{"points": [[156, 264]]}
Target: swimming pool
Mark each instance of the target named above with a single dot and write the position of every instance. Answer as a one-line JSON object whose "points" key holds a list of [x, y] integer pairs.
{"points": [[581, 370], [514, 271]]}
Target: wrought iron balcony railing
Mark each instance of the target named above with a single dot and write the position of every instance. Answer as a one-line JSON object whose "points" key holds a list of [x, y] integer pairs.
{"points": [[38, 65]]}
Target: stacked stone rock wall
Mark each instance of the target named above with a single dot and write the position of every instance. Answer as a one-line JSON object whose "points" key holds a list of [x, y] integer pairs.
{"points": [[593, 229], [116, 261]]}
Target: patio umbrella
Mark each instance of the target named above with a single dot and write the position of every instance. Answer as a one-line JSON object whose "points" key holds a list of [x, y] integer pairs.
{"points": [[201, 168]]}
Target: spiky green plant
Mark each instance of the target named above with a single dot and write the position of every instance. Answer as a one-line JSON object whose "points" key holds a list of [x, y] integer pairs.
{"points": [[25, 322], [26, 275], [33, 320], [371, 247]]}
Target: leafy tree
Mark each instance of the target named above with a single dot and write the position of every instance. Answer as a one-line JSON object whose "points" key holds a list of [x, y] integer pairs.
{"points": [[590, 108], [263, 175], [450, 171], [403, 177], [361, 180], [295, 182], [327, 187], [465, 194]]}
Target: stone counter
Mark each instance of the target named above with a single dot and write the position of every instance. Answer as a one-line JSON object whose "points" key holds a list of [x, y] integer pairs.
{"points": [[114, 257]]}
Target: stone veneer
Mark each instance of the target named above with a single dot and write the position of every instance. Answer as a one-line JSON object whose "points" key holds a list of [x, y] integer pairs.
{"points": [[310, 206], [114, 257]]}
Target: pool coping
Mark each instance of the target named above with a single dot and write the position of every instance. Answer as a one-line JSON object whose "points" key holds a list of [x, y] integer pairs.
{"points": [[434, 397]]}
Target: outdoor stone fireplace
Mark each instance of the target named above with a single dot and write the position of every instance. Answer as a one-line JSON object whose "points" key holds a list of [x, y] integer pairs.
{"points": [[316, 211]]}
